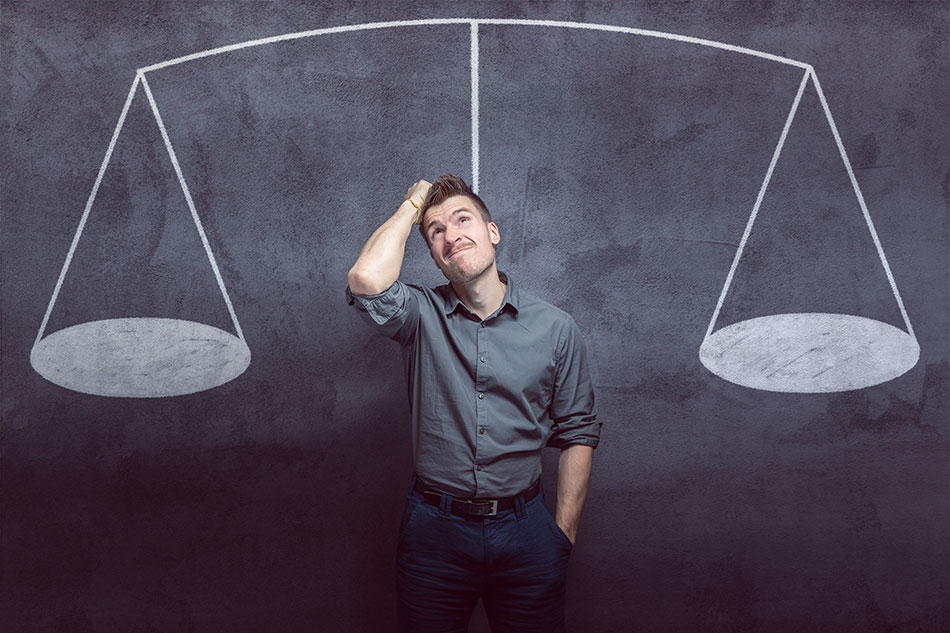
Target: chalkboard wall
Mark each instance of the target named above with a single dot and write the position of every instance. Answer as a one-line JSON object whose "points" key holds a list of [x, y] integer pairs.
{"points": [[621, 168]]}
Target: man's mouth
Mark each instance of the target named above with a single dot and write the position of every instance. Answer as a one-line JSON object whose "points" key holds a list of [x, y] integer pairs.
{"points": [[456, 252]]}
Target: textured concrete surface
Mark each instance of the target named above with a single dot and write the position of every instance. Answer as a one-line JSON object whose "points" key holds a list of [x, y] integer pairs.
{"points": [[621, 171]]}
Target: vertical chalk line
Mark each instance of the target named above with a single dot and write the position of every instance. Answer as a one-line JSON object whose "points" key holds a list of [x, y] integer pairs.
{"points": [[864, 207], [475, 149], [88, 208], [758, 201], [191, 204]]}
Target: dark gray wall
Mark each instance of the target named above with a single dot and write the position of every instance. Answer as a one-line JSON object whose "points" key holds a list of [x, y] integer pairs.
{"points": [[621, 171]]}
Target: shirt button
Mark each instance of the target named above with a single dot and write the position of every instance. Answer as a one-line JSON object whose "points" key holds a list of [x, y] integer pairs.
{"points": [[482, 359], [482, 325], [481, 431], [481, 396], [479, 467]]}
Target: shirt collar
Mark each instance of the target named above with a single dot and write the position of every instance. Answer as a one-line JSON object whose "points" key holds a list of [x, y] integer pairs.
{"points": [[511, 297]]}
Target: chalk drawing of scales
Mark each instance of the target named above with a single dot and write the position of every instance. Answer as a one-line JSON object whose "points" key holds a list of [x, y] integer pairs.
{"points": [[159, 357]]}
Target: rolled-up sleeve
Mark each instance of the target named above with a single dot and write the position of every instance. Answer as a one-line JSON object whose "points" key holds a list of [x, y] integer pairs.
{"points": [[394, 312], [573, 412]]}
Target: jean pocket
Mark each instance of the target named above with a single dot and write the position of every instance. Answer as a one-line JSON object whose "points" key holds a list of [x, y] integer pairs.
{"points": [[557, 528], [412, 502]]}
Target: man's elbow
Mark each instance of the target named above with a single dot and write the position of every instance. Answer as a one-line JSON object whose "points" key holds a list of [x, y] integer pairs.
{"points": [[364, 284]]}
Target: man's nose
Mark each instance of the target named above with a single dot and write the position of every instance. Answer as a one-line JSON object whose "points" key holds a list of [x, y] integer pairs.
{"points": [[452, 235]]}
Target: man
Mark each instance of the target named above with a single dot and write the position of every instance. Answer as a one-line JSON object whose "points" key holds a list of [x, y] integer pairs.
{"points": [[494, 375]]}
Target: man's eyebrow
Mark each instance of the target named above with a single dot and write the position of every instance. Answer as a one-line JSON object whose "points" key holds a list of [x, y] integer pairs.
{"points": [[454, 213]]}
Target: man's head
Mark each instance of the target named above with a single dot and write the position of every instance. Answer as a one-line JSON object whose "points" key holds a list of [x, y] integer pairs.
{"points": [[459, 230]]}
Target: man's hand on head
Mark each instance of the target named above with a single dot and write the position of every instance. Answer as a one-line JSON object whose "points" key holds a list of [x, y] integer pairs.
{"points": [[417, 195]]}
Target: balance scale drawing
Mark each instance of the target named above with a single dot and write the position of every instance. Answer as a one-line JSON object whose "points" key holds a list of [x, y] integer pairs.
{"points": [[148, 357]]}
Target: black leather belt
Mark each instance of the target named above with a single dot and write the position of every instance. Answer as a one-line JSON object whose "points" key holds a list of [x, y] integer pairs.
{"points": [[476, 507]]}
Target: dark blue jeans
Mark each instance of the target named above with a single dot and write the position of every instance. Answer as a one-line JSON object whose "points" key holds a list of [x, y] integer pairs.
{"points": [[515, 561]]}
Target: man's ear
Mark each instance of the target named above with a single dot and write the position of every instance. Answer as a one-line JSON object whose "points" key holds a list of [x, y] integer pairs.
{"points": [[494, 234]]}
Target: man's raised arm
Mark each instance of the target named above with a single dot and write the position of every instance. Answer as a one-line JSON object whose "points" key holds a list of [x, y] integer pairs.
{"points": [[380, 261]]}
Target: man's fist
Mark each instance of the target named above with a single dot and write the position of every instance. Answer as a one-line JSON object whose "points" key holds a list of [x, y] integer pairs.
{"points": [[417, 195]]}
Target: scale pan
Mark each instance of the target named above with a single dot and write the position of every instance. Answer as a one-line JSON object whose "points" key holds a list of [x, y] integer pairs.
{"points": [[809, 352], [140, 357]]}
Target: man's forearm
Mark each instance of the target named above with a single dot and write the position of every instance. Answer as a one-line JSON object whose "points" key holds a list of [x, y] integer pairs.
{"points": [[380, 261], [573, 478]]}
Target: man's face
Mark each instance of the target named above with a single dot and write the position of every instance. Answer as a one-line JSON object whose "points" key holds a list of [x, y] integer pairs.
{"points": [[461, 243]]}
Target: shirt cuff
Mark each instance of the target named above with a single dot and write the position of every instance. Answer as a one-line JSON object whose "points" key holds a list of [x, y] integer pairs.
{"points": [[588, 435], [585, 442], [381, 307]]}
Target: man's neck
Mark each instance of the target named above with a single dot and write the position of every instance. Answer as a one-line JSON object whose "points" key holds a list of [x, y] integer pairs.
{"points": [[482, 295]]}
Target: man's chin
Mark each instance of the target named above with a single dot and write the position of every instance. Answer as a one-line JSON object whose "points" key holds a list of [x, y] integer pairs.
{"points": [[459, 277], [462, 276]]}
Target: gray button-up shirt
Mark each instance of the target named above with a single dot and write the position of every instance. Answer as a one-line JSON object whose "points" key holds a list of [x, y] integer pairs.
{"points": [[486, 396]]}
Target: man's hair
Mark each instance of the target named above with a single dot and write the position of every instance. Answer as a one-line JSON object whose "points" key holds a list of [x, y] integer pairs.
{"points": [[444, 187]]}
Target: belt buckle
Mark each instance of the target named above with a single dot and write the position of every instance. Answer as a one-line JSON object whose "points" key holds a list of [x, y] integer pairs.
{"points": [[493, 503]]}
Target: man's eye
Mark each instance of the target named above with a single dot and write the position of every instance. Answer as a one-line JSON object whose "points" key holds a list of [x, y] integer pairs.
{"points": [[436, 232], [463, 219]]}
